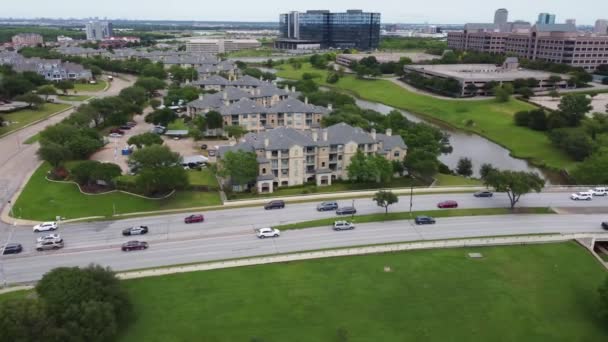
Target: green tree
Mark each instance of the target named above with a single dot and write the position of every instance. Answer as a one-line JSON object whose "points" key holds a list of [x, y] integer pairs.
{"points": [[27, 320], [161, 180], [385, 199], [91, 171], [154, 157], [155, 70], [150, 84], [46, 91], [574, 141], [421, 163], [235, 131], [240, 166], [381, 167], [465, 167], [592, 170], [486, 169], [514, 183], [214, 120], [574, 107], [135, 95], [31, 99], [155, 103], [503, 93], [54, 154], [145, 139], [359, 169], [161, 117], [64, 86]]}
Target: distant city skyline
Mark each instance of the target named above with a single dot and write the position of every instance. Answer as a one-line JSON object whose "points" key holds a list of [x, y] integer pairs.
{"points": [[586, 12]]}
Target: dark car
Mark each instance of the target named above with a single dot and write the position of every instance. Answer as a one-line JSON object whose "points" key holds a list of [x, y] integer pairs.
{"points": [[125, 127], [134, 246], [483, 194], [12, 248], [135, 231], [274, 205], [447, 204], [346, 211], [424, 220], [327, 206], [204, 146], [117, 131], [194, 219], [605, 225]]}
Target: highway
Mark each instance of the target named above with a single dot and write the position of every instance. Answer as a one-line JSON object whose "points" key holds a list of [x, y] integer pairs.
{"points": [[230, 233]]}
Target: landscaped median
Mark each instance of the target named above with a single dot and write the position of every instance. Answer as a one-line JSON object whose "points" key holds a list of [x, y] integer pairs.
{"points": [[22, 118], [406, 216]]}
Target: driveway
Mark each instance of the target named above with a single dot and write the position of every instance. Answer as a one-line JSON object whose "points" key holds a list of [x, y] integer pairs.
{"points": [[598, 102]]}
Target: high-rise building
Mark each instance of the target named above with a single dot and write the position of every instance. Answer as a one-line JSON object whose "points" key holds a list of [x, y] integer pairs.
{"points": [[323, 29], [501, 17], [546, 18], [571, 22], [99, 30], [601, 27]]}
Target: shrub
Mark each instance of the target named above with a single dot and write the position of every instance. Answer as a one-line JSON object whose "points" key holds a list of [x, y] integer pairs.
{"points": [[522, 118]]}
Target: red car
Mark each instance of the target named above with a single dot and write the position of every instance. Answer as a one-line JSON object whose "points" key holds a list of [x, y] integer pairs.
{"points": [[447, 204], [194, 219], [117, 131]]}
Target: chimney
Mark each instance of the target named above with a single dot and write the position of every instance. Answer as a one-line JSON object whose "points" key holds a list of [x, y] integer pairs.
{"points": [[389, 132], [261, 78], [306, 100], [258, 91], [287, 88], [315, 135], [330, 107], [200, 97], [266, 142], [374, 134], [225, 95], [324, 134], [293, 89]]}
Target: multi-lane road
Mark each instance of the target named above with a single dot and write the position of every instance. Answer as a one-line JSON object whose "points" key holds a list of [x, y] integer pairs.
{"points": [[230, 233]]}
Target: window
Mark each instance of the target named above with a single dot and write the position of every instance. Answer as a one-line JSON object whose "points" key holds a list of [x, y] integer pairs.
{"points": [[323, 164], [397, 154], [264, 171]]}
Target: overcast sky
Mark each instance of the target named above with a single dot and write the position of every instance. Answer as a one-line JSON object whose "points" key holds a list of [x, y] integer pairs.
{"points": [[402, 11]]}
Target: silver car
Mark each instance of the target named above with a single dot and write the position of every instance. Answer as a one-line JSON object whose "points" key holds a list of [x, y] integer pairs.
{"points": [[49, 244]]}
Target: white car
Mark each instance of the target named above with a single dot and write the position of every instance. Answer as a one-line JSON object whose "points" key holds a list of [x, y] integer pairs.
{"points": [[268, 232], [599, 191], [581, 196], [45, 227], [343, 225], [48, 237], [115, 135]]}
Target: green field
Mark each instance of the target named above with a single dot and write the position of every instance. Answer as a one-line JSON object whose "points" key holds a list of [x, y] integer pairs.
{"points": [[263, 52], [404, 215], [74, 98], [43, 200], [451, 180], [25, 117], [87, 87], [517, 293], [489, 118], [178, 124], [204, 177]]}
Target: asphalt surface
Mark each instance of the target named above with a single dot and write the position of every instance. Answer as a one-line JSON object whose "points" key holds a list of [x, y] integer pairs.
{"points": [[230, 233]]}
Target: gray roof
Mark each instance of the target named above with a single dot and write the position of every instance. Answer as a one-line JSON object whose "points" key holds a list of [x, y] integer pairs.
{"points": [[248, 81], [242, 146], [280, 138], [243, 106], [291, 105], [340, 134], [213, 80], [390, 142], [555, 27]]}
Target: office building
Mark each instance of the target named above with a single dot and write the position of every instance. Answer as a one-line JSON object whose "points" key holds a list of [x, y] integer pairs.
{"points": [[546, 18], [99, 30], [571, 22], [215, 46], [601, 27], [501, 17], [27, 39], [323, 30]]}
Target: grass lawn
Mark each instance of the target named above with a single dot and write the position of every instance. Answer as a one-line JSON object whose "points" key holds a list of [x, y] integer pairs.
{"points": [[25, 117], [33, 139], [99, 86], [491, 119], [404, 215], [203, 177], [514, 293], [263, 52], [451, 180], [43, 200], [178, 124], [75, 98]]}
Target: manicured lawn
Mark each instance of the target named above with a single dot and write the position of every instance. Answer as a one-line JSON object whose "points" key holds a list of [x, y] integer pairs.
{"points": [[87, 87], [27, 116], [14, 295], [178, 124], [43, 200], [396, 216], [451, 180], [75, 98], [490, 119], [514, 293], [263, 52], [204, 177]]}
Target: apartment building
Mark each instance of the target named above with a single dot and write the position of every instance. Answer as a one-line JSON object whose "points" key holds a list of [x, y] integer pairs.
{"points": [[290, 157], [50, 69], [215, 46], [27, 39], [219, 83]]}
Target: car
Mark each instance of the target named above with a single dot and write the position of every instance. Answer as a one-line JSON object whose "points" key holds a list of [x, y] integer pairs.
{"points": [[176, 138], [134, 246], [346, 211], [263, 233], [343, 225], [12, 248], [599, 191], [483, 194], [131, 124], [327, 206], [115, 135], [50, 244], [581, 196], [275, 205], [45, 226], [204, 146], [139, 230], [447, 204], [424, 220], [125, 127], [605, 225], [211, 153], [118, 131], [48, 237], [194, 219]]}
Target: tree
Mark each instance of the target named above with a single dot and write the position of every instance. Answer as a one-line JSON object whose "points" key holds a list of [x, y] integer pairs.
{"points": [[27, 320], [91, 171], [514, 183], [503, 93], [240, 166], [465, 167], [150, 84], [359, 169], [161, 180], [422, 163], [554, 94], [154, 157], [135, 95], [46, 91], [385, 199], [603, 300], [154, 103], [214, 120], [574, 141], [31, 99], [574, 107], [64, 86], [592, 170], [554, 80], [332, 78], [145, 139], [155, 70], [54, 154], [486, 169], [235, 131], [381, 167], [161, 117]]}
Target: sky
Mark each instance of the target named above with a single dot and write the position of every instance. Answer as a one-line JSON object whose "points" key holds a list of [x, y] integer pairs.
{"points": [[393, 11]]}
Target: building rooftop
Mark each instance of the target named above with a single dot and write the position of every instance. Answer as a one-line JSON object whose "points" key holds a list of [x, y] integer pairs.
{"points": [[481, 72]]}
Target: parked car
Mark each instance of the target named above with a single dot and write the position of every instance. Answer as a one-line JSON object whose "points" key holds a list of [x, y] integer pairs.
{"points": [[134, 246], [447, 204], [194, 219], [327, 206], [139, 230], [45, 227], [118, 131], [204, 146], [275, 205], [605, 225], [49, 237], [263, 233], [424, 220], [50, 244], [346, 211], [599, 191], [483, 194], [581, 196], [125, 127], [115, 135], [343, 225], [12, 248], [131, 124]]}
